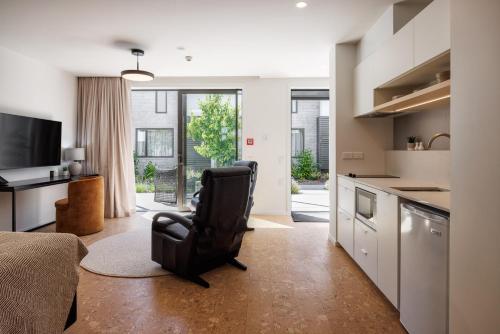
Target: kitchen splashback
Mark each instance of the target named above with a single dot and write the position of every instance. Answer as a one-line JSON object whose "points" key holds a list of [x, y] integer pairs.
{"points": [[434, 166]]}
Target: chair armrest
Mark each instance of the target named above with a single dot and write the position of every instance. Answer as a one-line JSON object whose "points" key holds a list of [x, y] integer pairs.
{"points": [[62, 204], [196, 194], [175, 217]]}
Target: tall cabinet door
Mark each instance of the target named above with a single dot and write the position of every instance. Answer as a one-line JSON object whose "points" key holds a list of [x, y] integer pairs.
{"points": [[432, 31], [388, 237]]}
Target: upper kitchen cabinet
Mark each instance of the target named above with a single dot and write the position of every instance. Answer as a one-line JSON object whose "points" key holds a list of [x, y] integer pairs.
{"points": [[364, 83], [395, 58], [405, 66], [432, 31]]}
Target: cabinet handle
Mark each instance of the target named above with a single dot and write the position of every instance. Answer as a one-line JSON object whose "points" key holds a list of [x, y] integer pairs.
{"points": [[364, 251]]}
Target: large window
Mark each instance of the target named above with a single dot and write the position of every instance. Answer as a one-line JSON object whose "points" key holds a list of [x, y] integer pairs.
{"points": [[297, 142], [154, 143]]}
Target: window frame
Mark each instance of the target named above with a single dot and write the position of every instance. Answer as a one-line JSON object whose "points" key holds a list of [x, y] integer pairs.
{"points": [[156, 101], [146, 142], [296, 103], [302, 131]]}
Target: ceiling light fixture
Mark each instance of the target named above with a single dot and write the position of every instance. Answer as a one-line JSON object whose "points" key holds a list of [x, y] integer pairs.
{"points": [[301, 4], [137, 74]]}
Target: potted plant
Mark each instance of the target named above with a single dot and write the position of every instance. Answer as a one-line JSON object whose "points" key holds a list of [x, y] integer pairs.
{"points": [[65, 171], [410, 145]]}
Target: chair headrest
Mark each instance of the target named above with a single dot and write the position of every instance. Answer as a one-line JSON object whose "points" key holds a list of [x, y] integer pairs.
{"points": [[247, 163]]}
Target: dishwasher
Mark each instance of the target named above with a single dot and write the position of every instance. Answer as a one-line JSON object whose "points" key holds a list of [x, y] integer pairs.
{"points": [[424, 269]]}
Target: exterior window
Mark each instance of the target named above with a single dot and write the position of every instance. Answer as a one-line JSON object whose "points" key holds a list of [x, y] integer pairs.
{"points": [[154, 143], [161, 102], [297, 142], [295, 106]]}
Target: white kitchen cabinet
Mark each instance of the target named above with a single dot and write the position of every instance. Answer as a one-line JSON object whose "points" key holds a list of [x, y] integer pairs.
{"points": [[395, 57], [388, 236], [365, 249], [432, 31], [345, 192], [364, 84], [345, 234]]}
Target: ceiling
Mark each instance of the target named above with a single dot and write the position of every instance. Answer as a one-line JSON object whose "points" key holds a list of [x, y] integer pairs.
{"points": [[267, 38]]}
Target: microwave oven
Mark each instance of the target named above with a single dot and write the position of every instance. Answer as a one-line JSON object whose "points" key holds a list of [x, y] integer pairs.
{"points": [[366, 207]]}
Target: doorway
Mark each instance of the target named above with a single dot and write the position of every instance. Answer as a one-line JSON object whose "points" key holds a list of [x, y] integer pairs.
{"points": [[178, 134], [310, 155]]}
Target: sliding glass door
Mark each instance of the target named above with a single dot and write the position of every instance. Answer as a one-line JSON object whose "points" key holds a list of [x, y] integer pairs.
{"points": [[210, 128]]}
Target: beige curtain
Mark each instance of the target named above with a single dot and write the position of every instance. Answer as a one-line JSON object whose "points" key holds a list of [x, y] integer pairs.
{"points": [[104, 130]]}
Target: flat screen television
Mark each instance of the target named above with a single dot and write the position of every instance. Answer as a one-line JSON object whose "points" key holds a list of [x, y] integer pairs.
{"points": [[29, 142]]}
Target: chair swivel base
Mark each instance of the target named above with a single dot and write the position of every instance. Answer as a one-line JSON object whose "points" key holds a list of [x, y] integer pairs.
{"points": [[200, 281]]}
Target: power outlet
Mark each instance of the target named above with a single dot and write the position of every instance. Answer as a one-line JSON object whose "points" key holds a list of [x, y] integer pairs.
{"points": [[346, 155], [358, 155], [353, 155]]}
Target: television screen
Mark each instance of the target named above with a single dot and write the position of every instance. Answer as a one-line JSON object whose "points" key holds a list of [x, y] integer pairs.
{"points": [[29, 142]]}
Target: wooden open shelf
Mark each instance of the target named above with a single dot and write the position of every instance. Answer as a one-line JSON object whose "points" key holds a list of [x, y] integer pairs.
{"points": [[438, 94]]}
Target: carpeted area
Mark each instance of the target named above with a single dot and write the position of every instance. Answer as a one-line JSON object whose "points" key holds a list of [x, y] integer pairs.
{"points": [[123, 255], [129, 254]]}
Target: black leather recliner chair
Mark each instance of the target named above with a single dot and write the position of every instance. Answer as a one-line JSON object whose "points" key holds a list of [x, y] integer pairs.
{"points": [[253, 165], [212, 236]]}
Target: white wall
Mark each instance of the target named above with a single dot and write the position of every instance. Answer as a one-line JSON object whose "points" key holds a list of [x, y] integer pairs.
{"points": [[430, 166], [31, 88], [423, 125], [475, 175], [266, 118], [370, 136]]}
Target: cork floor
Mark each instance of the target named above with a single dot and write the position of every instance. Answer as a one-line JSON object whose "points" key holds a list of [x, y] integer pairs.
{"points": [[297, 282]]}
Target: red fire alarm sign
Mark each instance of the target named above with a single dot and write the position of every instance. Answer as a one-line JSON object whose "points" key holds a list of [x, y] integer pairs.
{"points": [[249, 141]]}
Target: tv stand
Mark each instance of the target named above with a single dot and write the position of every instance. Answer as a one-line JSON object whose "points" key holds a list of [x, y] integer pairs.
{"points": [[15, 186]]}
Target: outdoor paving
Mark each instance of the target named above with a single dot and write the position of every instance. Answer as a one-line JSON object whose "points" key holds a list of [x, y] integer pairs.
{"points": [[145, 202], [311, 200]]}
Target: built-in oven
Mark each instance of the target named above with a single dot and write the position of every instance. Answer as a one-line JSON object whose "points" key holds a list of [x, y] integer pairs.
{"points": [[366, 207]]}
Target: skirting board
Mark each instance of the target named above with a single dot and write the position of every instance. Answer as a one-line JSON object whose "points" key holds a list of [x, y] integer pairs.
{"points": [[332, 239]]}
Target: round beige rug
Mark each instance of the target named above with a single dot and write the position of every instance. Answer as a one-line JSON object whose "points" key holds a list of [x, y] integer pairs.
{"points": [[123, 255]]}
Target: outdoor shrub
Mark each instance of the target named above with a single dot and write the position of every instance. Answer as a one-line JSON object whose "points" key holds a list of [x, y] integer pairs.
{"points": [[149, 171], [144, 188], [305, 168], [295, 187]]}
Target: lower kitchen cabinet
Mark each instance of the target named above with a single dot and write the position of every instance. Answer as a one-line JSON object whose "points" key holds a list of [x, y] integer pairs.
{"points": [[388, 236], [345, 235], [365, 249]]}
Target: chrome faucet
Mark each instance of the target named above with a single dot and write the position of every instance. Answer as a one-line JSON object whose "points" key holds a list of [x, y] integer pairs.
{"points": [[436, 136]]}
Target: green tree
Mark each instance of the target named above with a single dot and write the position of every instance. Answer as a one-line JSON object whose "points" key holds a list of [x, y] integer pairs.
{"points": [[214, 130]]}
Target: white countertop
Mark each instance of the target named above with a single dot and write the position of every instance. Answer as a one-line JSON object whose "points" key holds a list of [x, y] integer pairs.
{"points": [[435, 199]]}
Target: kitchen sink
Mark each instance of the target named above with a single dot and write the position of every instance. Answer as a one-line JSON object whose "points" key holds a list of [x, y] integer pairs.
{"points": [[420, 189]]}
